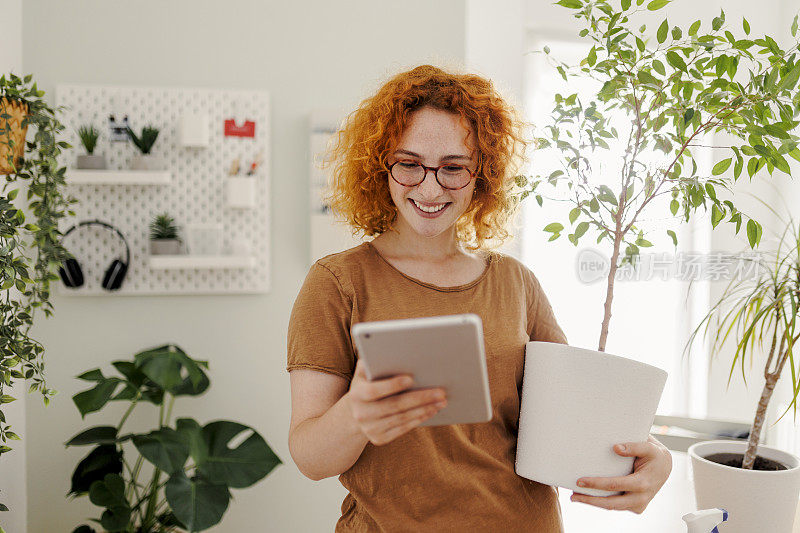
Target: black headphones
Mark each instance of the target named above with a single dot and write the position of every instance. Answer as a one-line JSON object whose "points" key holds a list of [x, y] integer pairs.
{"points": [[72, 275]]}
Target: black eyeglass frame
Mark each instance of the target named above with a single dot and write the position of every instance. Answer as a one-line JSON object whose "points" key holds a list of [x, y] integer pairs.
{"points": [[435, 170]]}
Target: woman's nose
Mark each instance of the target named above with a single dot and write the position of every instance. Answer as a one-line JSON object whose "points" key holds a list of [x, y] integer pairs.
{"points": [[429, 188]]}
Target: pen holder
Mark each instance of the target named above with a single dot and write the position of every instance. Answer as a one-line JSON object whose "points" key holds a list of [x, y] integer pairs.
{"points": [[240, 191]]}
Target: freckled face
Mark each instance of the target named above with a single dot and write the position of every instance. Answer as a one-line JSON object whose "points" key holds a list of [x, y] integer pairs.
{"points": [[432, 137]]}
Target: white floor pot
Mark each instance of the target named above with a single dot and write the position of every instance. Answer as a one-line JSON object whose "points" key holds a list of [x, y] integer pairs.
{"points": [[576, 405], [756, 500]]}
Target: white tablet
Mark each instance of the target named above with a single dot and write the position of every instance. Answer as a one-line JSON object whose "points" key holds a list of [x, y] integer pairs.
{"points": [[440, 351]]}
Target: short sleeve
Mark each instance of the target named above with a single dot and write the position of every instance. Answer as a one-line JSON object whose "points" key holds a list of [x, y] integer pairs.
{"points": [[542, 321], [319, 326]]}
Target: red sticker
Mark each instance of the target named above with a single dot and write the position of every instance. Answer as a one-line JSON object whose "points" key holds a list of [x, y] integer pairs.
{"points": [[248, 129]]}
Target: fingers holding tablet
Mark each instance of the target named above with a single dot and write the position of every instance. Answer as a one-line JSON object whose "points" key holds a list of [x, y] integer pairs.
{"points": [[385, 409]]}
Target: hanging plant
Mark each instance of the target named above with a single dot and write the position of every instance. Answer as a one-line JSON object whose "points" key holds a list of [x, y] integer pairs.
{"points": [[30, 252]]}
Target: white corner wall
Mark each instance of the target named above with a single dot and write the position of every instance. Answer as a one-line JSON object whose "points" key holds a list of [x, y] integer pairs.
{"points": [[12, 465], [309, 55]]}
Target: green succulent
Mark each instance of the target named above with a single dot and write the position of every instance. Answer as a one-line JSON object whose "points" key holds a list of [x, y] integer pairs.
{"points": [[146, 141], [163, 227], [88, 135]]}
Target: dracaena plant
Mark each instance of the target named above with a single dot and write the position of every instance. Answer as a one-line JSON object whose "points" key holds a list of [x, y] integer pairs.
{"points": [[193, 467], [762, 311], [146, 141], [660, 94]]}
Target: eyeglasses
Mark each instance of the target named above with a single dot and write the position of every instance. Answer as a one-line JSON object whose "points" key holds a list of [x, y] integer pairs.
{"points": [[450, 176]]}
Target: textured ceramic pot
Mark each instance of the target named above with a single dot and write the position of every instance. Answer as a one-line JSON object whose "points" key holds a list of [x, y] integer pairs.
{"points": [[165, 247], [146, 162], [576, 405], [92, 162], [756, 500]]}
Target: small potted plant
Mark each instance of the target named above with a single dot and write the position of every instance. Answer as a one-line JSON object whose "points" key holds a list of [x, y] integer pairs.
{"points": [[193, 466], [145, 160], [164, 239], [661, 91], [90, 161], [757, 312]]}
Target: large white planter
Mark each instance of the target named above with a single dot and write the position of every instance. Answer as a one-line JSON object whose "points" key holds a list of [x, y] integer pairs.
{"points": [[756, 501], [576, 405]]}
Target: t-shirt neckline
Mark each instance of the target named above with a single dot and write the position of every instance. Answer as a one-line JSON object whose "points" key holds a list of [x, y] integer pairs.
{"points": [[454, 288]]}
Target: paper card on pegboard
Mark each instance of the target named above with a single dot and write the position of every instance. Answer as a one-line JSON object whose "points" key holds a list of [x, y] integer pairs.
{"points": [[247, 129]]}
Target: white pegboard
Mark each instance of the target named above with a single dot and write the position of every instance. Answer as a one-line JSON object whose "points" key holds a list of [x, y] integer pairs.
{"points": [[195, 194]]}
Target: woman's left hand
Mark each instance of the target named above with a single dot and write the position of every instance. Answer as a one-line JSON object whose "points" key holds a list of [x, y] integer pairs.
{"points": [[651, 469]]}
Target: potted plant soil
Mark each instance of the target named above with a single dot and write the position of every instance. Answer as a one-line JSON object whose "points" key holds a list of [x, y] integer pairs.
{"points": [[749, 480], [145, 160], [164, 239], [90, 161], [661, 92]]}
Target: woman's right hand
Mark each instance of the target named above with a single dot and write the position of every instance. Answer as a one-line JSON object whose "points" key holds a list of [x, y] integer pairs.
{"points": [[381, 409]]}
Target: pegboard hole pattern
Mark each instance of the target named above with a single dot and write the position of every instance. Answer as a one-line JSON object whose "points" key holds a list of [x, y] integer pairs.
{"points": [[195, 195]]}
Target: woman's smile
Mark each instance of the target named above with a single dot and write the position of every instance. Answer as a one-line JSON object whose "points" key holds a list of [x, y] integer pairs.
{"points": [[428, 210]]}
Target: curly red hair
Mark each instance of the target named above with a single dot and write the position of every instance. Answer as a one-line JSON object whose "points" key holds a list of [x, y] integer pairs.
{"points": [[359, 190]]}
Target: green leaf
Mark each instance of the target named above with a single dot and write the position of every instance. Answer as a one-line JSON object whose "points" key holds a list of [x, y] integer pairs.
{"points": [[238, 467], [694, 27], [790, 80], [592, 57], [571, 4], [626, 4], [166, 448], [554, 227], [165, 365], [687, 117], [574, 214], [657, 4], [95, 435], [674, 205], [110, 493], [794, 26], [753, 232], [104, 459], [661, 35], [675, 60], [581, 229], [94, 399], [721, 167], [92, 375], [716, 215], [746, 26], [658, 66], [673, 237], [676, 33], [196, 502]]}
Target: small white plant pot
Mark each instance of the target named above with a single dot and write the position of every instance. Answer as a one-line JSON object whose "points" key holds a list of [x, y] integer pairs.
{"points": [[204, 239], [91, 162], [165, 247], [576, 405], [756, 500], [240, 191], [146, 162], [193, 130]]}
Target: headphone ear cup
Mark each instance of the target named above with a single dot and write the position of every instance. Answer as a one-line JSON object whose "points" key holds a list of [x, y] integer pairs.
{"points": [[112, 279], [71, 273]]}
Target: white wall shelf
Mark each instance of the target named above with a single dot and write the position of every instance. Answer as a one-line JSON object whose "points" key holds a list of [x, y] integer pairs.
{"points": [[201, 261], [118, 177]]}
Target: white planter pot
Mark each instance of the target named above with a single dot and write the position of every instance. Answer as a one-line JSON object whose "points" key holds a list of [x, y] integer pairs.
{"points": [[756, 500], [146, 162], [576, 405]]}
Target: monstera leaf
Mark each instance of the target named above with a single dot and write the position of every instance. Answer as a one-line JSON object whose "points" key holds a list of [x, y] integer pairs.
{"points": [[110, 493], [104, 459], [196, 502], [165, 366]]}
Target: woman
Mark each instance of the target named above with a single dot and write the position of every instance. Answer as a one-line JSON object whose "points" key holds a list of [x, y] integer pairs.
{"points": [[427, 165]]}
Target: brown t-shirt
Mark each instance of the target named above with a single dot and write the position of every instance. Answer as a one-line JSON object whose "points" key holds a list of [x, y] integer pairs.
{"points": [[440, 478]]}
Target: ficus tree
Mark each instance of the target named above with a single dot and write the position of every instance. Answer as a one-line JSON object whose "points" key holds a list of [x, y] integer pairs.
{"points": [[660, 95]]}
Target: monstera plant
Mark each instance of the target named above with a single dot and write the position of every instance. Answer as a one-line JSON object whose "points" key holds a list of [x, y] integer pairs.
{"points": [[193, 466]]}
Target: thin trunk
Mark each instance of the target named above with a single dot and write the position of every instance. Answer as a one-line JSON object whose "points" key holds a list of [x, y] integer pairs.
{"points": [[612, 272], [758, 422]]}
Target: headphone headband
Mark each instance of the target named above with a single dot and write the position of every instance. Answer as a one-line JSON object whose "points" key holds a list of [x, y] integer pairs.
{"points": [[106, 225]]}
